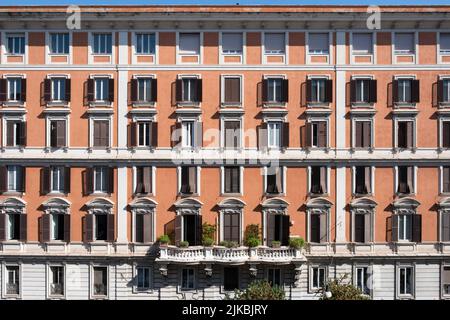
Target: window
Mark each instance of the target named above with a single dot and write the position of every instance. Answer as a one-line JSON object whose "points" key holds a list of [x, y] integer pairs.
{"points": [[144, 133], [58, 89], [232, 134], [144, 90], [405, 134], [15, 90], [101, 89], [101, 227], [145, 43], [187, 279], [319, 90], [189, 90], [318, 43], [446, 280], [232, 179], [143, 226], [275, 90], [189, 43], [143, 278], [191, 225], [12, 280], [188, 134], [99, 223], [13, 226], [100, 283], [362, 225], [446, 179], [232, 90], [318, 227], [317, 278], [101, 133], [231, 227], [363, 91], [274, 179], [15, 133], [232, 43], [15, 179], [405, 227], [15, 43], [362, 43], [318, 178], [188, 180], [405, 281], [102, 43], [363, 180], [274, 277], [274, 43], [445, 135], [278, 229], [444, 91], [56, 280], [404, 43], [101, 179], [143, 180], [57, 227], [363, 134], [58, 133], [406, 91], [59, 43], [318, 131], [57, 179], [230, 278], [362, 279], [274, 134], [405, 176], [444, 43]]}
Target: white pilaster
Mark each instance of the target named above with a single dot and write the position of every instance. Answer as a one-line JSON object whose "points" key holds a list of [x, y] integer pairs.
{"points": [[122, 205]]}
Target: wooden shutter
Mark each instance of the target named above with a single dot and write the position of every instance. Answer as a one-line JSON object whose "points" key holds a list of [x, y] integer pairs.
{"points": [[47, 90], [270, 228], [111, 227], [322, 134], [111, 90], [445, 227], [24, 179], [23, 227], [315, 228], [148, 227], [68, 90], [262, 136], [232, 90], [90, 90], [89, 228], [3, 179], [22, 133], [178, 227], [395, 94], [88, 181], [446, 179], [45, 180], [308, 135], [192, 173], [353, 91], [23, 93], [199, 229], [61, 133], [199, 84], [359, 125], [323, 228], [132, 134], [147, 179], [97, 132], [409, 134], [67, 180], [67, 227], [198, 134], [446, 134], [285, 90], [394, 229], [227, 174], [440, 91], [359, 228], [367, 228], [308, 90], [285, 138], [110, 180], [265, 87], [45, 226], [415, 91], [323, 179], [366, 134], [176, 135], [367, 179], [278, 180], [154, 90], [328, 91], [133, 90], [285, 230], [179, 90], [154, 134], [10, 133], [2, 227], [417, 228], [235, 179], [410, 179], [3, 90], [372, 91], [139, 180]]}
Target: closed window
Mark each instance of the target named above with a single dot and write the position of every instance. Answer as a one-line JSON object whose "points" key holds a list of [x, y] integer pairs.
{"points": [[404, 43], [274, 180], [274, 277], [189, 90], [405, 134], [144, 90], [143, 227], [446, 280], [362, 43], [59, 43], [57, 179], [445, 134], [445, 94], [56, 280], [318, 180], [274, 43], [143, 128], [405, 227], [15, 89], [362, 90], [189, 43], [101, 89], [319, 134], [188, 134], [58, 133], [102, 43], [405, 176], [405, 280], [363, 134], [231, 226], [143, 275], [101, 179], [15, 133], [15, 43], [145, 43], [187, 279], [143, 180], [15, 179], [404, 90], [318, 227], [232, 90], [318, 278], [274, 90], [363, 177], [318, 43], [274, 134], [232, 134], [100, 283], [362, 279], [232, 43], [101, 133], [318, 90], [58, 89], [188, 180], [12, 280], [444, 43], [232, 179], [230, 278]]}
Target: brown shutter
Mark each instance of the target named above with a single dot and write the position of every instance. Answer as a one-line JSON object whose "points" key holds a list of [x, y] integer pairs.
{"points": [[372, 91], [67, 227], [132, 134], [154, 134], [445, 227], [262, 136], [61, 133], [139, 180], [417, 228], [314, 228], [278, 179], [147, 179], [178, 226], [176, 135], [179, 90], [3, 179], [227, 175], [353, 91], [111, 227], [308, 90], [359, 228], [323, 228], [367, 134], [198, 134], [410, 179], [10, 133], [415, 91], [23, 93], [67, 180], [323, 179], [270, 228], [232, 90], [199, 90], [148, 227], [308, 135], [199, 230], [409, 134], [322, 132], [133, 90], [45, 226], [111, 90], [367, 179], [97, 133], [394, 229], [90, 90], [395, 91], [88, 181], [446, 179], [235, 179], [45, 180], [359, 134], [154, 90], [47, 90], [285, 221], [284, 90], [192, 172], [440, 91], [3, 90], [264, 90], [285, 138], [23, 227], [23, 133], [24, 179], [2, 227], [111, 180], [367, 228], [68, 90], [89, 228], [328, 91], [446, 134]]}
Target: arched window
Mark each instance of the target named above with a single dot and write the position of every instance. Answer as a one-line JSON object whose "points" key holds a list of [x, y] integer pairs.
{"points": [[99, 221], [318, 220], [55, 225], [143, 220], [188, 221], [276, 221], [231, 218], [13, 220]]}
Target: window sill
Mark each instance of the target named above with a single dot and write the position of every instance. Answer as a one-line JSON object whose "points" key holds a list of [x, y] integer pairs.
{"points": [[274, 104], [138, 104], [13, 193], [182, 194], [311, 194], [184, 104], [231, 194], [57, 193], [100, 104], [141, 194], [444, 104], [100, 193], [317, 105], [359, 105], [53, 104], [8, 104], [231, 105], [405, 105], [142, 291]]}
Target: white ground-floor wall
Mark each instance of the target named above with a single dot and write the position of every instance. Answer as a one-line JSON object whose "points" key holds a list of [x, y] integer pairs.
{"points": [[383, 278]]}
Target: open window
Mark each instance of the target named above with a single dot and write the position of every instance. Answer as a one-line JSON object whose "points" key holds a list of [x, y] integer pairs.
{"points": [[188, 221]]}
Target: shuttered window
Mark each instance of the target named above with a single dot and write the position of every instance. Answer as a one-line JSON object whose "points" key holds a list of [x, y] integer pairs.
{"points": [[101, 133], [231, 226], [232, 90], [446, 134], [318, 180], [143, 128], [232, 43], [274, 43], [318, 43], [444, 43], [143, 227], [274, 134], [232, 179], [363, 133], [15, 89], [58, 133], [143, 180], [362, 43], [15, 133], [189, 43], [188, 180], [232, 134], [319, 134], [405, 176], [363, 180], [445, 227], [404, 43], [15, 178], [101, 89], [405, 134]]}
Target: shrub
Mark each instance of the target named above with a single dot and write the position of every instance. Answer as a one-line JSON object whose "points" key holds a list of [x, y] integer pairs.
{"points": [[343, 291], [259, 290], [164, 239], [208, 231], [276, 244], [229, 244], [184, 244], [252, 242], [252, 235], [296, 243], [208, 242]]}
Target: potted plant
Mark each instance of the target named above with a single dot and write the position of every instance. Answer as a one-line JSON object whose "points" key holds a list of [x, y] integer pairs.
{"points": [[224, 243], [183, 244], [252, 236], [164, 240], [208, 232], [276, 244], [296, 243], [232, 244], [208, 242]]}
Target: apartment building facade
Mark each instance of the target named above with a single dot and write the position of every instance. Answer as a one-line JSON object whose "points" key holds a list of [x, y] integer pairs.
{"points": [[148, 121]]}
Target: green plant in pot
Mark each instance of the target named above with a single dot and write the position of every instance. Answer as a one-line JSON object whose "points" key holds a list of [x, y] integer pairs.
{"points": [[208, 232], [184, 244], [276, 244], [296, 243], [164, 239], [208, 242], [252, 238]]}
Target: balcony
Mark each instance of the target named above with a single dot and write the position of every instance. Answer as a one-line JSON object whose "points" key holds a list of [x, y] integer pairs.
{"points": [[241, 255]]}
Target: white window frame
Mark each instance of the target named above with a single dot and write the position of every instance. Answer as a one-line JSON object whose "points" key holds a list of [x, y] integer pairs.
{"points": [[180, 277], [5, 279], [4, 57], [284, 54], [398, 119], [91, 282], [372, 179], [241, 55], [313, 77], [9, 102], [444, 295], [330, 53], [61, 167], [222, 131], [283, 181], [368, 281], [363, 104], [310, 120], [134, 172], [151, 211], [15, 178], [311, 287], [188, 103], [179, 55], [275, 77], [405, 104], [222, 180], [354, 54], [104, 176], [52, 77], [49, 280], [396, 54], [414, 180], [148, 289], [372, 131], [439, 54], [441, 121], [222, 90], [112, 55], [270, 132], [48, 120], [5, 119], [91, 130], [49, 55], [413, 284], [327, 192], [198, 176]]}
